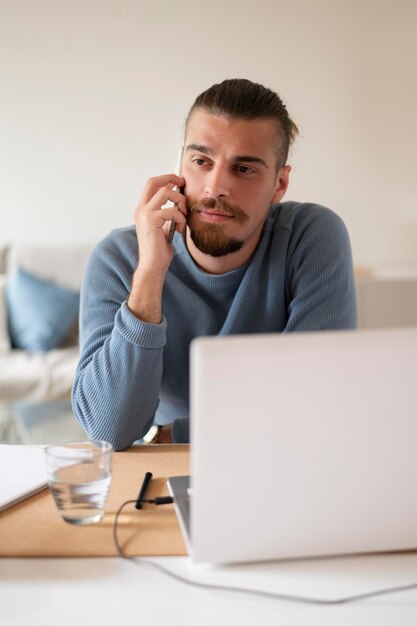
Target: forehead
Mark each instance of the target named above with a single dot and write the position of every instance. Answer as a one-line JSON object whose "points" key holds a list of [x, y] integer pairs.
{"points": [[232, 136]]}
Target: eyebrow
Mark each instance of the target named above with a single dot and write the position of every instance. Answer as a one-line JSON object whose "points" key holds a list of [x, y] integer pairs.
{"points": [[247, 158]]}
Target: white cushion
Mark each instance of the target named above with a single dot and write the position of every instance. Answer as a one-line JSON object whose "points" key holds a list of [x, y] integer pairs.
{"points": [[37, 377], [4, 333], [59, 264]]}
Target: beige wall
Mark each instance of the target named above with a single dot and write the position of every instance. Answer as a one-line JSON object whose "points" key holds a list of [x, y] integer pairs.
{"points": [[94, 93]]}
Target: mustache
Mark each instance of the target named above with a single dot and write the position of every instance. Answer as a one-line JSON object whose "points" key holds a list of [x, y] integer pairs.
{"points": [[195, 206]]}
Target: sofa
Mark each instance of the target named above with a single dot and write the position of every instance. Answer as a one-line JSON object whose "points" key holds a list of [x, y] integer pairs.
{"points": [[39, 304]]}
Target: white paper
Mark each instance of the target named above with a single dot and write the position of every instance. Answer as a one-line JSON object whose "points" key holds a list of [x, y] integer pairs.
{"points": [[22, 473]]}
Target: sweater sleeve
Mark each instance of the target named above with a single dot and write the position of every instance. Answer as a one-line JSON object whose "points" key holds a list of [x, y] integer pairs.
{"points": [[320, 287], [116, 386]]}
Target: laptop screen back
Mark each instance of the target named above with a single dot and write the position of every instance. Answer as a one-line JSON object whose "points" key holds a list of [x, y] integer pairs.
{"points": [[303, 445]]}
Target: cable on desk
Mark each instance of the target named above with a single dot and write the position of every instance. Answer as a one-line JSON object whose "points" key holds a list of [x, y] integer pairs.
{"points": [[253, 592]]}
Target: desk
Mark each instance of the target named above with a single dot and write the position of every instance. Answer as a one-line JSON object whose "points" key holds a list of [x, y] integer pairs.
{"points": [[47, 591], [34, 527]]}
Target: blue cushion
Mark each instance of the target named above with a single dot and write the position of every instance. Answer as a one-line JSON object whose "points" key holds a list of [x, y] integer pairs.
{"points": [[40, 313]]}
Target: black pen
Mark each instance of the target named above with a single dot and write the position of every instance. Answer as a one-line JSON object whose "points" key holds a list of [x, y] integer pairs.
{"points": [[143, 490]]}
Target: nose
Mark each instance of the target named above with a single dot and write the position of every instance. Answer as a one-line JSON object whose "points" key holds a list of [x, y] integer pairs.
{"points": [[217, 183]]}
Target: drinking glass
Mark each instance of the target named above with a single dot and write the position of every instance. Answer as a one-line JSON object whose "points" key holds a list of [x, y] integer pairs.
{"points": [[79, 477]]}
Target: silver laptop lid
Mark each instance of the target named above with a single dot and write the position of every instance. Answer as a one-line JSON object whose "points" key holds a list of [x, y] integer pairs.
{"points": [[303, 444]]}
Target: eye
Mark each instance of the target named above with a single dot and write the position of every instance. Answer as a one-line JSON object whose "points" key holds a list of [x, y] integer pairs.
{"points": [[244, 169], [199, 162]]}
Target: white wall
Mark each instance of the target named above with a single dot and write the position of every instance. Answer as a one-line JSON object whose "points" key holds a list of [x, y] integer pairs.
{"points": [[94, 94]]}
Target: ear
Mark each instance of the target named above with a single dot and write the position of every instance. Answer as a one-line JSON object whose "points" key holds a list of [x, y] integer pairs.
{"points": [[281, 183]]}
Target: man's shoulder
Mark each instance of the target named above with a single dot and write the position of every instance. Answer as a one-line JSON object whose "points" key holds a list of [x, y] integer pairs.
{"points": [[120, 244], [293, 215], [305, 222], [120, 238], [115, 256]]}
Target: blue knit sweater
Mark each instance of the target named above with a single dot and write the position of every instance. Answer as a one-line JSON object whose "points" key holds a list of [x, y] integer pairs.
{"points": [[133, 373]]}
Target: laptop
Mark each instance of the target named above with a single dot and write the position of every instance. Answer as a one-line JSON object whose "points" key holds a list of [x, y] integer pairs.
{"points": [[303, 445]]}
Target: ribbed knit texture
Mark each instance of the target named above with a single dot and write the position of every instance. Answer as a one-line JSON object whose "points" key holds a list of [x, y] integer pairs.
{"points": [[132, 373]]}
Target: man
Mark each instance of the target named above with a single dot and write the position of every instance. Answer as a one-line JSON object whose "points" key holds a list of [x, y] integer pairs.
{"points": [[240, 262]]}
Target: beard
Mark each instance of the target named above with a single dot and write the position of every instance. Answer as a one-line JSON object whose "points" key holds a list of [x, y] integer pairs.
{"points": [[210, 238]]}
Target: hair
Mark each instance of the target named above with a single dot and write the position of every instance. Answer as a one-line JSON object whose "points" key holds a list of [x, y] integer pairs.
{"points": [[241, 98]]}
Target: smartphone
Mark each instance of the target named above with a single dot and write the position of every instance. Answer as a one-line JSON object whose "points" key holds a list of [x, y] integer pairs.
{"points": [[172, 226]]}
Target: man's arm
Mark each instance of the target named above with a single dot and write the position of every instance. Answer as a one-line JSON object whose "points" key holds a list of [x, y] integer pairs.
{"points": [[122, 331], [152, 225]]}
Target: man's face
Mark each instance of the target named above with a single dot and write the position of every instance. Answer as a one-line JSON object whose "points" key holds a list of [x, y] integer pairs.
{"points": [[229, 165]]}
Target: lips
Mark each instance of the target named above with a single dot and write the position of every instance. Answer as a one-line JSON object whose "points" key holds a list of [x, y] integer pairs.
{"points": [[214, 212], [213, 215]]}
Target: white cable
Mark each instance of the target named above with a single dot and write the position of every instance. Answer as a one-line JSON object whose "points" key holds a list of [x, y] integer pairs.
{"points": [[253, 592]]}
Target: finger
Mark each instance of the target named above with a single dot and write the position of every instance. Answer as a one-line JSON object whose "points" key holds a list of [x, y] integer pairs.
{"points": [[167, 215], [177, 199], [154, 184], [171, 226], [164, 195]]}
